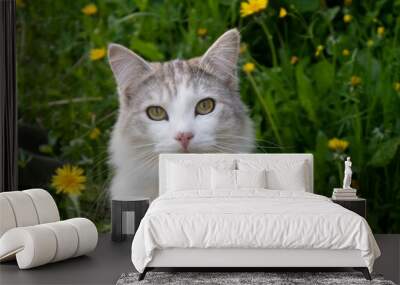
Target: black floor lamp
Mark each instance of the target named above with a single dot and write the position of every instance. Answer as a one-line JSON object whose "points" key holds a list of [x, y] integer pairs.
{"points": [[8, 98]]}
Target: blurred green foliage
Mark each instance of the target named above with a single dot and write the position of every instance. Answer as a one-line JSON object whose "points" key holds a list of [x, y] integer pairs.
{"points": [[304, 91]]}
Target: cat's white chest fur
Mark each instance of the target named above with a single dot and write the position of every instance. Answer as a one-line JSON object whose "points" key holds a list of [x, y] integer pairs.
{"points": [[141, 183], [134, 175]]}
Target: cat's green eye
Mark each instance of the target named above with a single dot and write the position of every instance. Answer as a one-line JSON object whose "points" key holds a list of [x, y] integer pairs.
{"points": [[156, 113], [205, 106]]}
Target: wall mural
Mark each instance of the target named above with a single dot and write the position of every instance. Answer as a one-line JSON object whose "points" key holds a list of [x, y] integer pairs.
{"points": [[216, 76]]}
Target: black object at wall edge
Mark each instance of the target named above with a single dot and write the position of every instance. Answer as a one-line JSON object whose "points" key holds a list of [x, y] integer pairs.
{"points": [[8, 98]]}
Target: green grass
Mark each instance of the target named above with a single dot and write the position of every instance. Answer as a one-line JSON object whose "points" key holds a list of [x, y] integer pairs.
{"points": [[296, 107]]}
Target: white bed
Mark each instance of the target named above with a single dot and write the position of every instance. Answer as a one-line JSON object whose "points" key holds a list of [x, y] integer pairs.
{"points": [[249, 227]]}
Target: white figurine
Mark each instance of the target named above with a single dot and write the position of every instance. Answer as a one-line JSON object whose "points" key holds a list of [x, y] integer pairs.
{"points": [[347, 174]]}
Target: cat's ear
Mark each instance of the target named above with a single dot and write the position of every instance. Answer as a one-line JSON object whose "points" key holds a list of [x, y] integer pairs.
{"points": [[221, 58], [128, 67]]}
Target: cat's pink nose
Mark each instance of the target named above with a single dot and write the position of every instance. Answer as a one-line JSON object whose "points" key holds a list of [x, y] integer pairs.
{"points": [[184, 138]]}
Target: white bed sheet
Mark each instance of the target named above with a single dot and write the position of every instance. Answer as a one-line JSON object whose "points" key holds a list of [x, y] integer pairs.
{"points": [[252, 218]]}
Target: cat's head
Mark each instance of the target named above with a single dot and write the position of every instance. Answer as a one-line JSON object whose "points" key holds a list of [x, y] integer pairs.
{"points": [[183, 105]]}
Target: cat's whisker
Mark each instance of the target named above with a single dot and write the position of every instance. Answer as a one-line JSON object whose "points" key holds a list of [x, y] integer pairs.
{"points": [[217, 149], [144, 146], [249, 145], [237, 148], [226, 148], [100, 200], [246, 138], [146, 156], [150, 162], [233, 137], [144, 164], [97, 174], [99, 161]]}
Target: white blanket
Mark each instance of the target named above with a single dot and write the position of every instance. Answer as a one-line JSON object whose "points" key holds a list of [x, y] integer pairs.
{"points": [[250, 219]]}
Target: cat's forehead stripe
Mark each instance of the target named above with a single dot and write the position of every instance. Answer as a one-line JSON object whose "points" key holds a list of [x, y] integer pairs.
{"points": [[167, 75], [173, 74], [170, 77]]}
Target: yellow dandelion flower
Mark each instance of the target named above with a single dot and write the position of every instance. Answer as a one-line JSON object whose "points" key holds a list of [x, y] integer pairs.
{"points": [[69, 180], [355, 80], [380, 31], [345, 52], [248, 67], [348, 2], [282, 13], [94, 134], [294, 59], [370, 43], [243, 48], [336, 144], [252, 6], [97, 53], [20, 3], [319, 50], [89, 9], [347, 18], [201, 32], [396, 86]]}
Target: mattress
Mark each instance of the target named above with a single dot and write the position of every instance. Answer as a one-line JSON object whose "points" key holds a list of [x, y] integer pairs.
{"points": [[251, 219]]}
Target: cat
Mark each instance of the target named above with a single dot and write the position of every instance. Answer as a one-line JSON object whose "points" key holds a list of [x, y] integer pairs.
{"points": [[171, 107]]}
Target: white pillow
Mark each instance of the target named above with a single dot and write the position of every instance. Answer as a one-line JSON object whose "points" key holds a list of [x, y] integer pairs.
{"points": [[223, 179], [226, 179], [292, 179], [205, 161], [280, 174], [181, 178], [251, 178]]}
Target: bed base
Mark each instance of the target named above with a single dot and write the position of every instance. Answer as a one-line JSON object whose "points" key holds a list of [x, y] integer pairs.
{"points": [[251, 259], [363, 270]]}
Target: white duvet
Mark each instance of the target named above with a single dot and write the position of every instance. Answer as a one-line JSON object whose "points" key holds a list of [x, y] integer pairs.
{"points": [[250, 219]]}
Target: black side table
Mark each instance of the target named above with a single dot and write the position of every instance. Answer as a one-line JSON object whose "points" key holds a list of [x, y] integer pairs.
{"points": [[126, 214], [357, 205]]}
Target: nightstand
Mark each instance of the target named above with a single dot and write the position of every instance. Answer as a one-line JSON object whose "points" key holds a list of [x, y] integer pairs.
{"points": [[126, 214], [357, 205]]}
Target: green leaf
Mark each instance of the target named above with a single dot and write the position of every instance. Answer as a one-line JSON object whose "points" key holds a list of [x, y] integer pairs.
{"points": [[385, 153], [146, 49], [331, 13], [142, 4], [321, 147], [305, 5], [305, 92], [370, 64], [323, 75]]}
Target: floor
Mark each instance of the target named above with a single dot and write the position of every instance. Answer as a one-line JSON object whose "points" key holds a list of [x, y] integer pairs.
{"points": [[110, 260], [103, 266], [389, 262]]}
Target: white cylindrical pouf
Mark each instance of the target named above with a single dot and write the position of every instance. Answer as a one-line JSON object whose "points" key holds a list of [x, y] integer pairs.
{"points": [[23, 208], [31, 232], [87, 234], [33, 246], [7, 218], [45, 205], [67, 240]]}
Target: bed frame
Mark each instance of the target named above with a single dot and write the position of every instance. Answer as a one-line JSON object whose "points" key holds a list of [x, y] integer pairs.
{"points": [[237, 259]]}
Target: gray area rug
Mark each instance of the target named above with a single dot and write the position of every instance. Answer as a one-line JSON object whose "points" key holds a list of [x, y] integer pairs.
{"points": [[233, 278]]}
